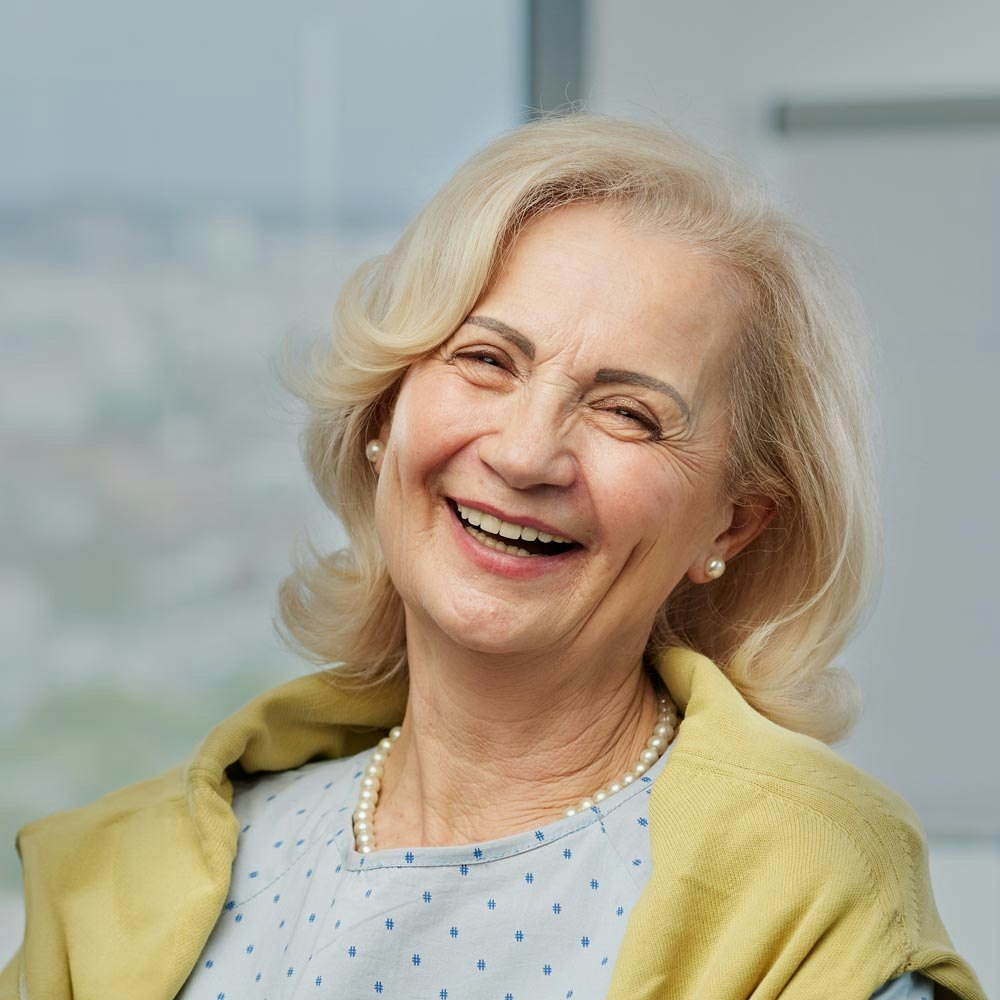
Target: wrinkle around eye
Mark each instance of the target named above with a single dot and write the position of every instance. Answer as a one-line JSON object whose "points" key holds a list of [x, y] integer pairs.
{"points": [[632, 422], [484, 364]]}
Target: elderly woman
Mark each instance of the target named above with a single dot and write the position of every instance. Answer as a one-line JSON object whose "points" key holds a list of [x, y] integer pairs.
{"points": [[596, 428]]}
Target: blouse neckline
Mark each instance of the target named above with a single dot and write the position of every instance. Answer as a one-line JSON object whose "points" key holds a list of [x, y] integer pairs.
{"points": [[466, 855]]}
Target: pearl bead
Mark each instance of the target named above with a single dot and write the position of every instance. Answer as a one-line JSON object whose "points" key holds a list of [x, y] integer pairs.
{"points": [[363, 818], [373, 449]]}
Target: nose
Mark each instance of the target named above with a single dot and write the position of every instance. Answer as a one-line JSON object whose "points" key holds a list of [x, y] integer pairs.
{"points": [[530, 446]]}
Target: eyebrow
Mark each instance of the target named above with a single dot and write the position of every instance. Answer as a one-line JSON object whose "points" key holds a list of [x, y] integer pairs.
{"points": [[622, 377], [618, 376], [519, 340]]}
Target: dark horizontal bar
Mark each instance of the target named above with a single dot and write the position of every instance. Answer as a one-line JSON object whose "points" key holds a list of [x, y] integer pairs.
{"points": [[869, 116]]}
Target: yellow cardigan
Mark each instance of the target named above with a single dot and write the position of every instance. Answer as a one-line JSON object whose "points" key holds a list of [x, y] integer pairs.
{"points": [[779, 869]]}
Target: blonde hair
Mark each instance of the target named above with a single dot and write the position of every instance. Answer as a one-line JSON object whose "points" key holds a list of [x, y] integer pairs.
{"points": [[799, 393]]}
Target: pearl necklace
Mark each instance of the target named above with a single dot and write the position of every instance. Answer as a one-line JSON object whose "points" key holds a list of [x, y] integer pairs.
{"points": [[364, 834]]}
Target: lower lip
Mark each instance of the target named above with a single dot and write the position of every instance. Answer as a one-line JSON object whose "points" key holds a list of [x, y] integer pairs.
{"points": [[503, 563]]}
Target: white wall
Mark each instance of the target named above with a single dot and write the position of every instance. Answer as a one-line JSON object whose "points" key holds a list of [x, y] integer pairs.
{"points": [[710, 67], [915, 217]]}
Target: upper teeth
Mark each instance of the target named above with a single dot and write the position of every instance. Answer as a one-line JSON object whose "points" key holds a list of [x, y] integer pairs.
{"points": [[506, 529]]}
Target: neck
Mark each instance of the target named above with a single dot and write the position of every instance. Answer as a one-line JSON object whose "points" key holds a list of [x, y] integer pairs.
{"points": [[491, 746]]}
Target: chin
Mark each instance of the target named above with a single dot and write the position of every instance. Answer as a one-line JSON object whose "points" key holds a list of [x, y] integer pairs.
{"points": [[497, 629]]}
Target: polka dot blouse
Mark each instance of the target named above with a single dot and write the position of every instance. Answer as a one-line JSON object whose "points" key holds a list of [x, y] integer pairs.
{"points": [[537, 915], [534, 915]]}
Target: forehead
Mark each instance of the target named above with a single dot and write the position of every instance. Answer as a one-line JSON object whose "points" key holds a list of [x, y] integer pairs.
{"points": [[577, 278]]}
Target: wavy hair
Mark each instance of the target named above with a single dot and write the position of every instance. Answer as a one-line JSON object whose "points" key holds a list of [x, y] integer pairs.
{"points": [[800, 409]]}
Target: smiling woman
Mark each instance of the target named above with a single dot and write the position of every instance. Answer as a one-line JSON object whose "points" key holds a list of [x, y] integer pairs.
{"points": [[713, 329], [597, 430], [559, 431]]}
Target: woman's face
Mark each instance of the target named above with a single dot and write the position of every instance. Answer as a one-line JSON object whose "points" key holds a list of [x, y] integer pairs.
{"points": [[581, 398]]}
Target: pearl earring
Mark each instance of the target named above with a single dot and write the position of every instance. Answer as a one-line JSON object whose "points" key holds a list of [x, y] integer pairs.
{"points": [[373, 449], [715, 567]]}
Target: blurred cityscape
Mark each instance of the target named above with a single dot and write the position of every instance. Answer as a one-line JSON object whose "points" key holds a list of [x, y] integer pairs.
{"points": [[152, 485]]}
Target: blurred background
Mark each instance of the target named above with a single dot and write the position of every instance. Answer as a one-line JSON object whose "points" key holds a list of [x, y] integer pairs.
{"points": [[183, 184]]}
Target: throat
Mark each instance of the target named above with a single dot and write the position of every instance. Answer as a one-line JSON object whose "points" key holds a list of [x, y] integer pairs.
{"points": [[396, 832]]}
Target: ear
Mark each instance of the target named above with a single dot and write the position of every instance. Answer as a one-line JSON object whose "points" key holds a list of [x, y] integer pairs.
{"points": [[747, 519]]}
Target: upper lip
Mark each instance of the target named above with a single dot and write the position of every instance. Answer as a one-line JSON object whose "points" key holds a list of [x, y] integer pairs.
{"points": [[525, 519]]}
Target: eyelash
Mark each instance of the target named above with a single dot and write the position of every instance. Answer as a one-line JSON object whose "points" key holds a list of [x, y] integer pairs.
{"points": [[654, 429], [479, 356]]}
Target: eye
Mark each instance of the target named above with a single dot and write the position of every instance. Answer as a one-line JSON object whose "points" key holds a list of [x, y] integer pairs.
{"points": [[483, 357], [635, 417]]}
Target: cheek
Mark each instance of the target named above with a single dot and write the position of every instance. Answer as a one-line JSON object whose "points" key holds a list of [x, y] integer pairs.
{"points": [[636, 485], [650, 513], [434, 417], [648, 505]]}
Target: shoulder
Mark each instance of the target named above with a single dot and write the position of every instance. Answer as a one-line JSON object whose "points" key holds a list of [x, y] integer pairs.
{"points": [[821, 804], [90, 872], [763, 834], [791, 816], [787, 805], [722, 738], [105, 872], [130, 842]]}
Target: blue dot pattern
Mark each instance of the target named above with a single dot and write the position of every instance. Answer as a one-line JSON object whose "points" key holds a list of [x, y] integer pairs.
{"points": [[533, 916], [538, 914]]}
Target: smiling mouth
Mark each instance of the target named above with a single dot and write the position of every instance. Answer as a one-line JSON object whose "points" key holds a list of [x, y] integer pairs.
{"points": [[521, 546]]}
